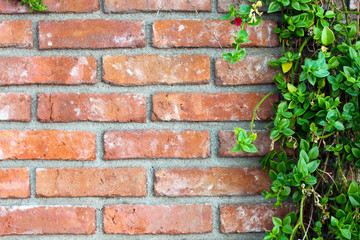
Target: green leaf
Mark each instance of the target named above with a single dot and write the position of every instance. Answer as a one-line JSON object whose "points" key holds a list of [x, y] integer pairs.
{"points": [[353, 188], [274, 6], [276, 221], [354, 200], [236, 148], [346, 233], [312, 166], [273, 175], [341, 199], [313, 153], [296, 196], [288, 132], [226, 17], [333, 63], [327, 36], [287, 229], [339, 126]]}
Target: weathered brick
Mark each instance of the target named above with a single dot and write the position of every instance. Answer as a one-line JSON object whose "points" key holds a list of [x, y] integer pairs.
{"points": [[156, 5], [16, 34], [47, 220], [156, 69], [46, 145], [210, 181], [163, 219], [227, 140], [14, 6], [249, 70], [193, 33], [47, 70], [91, 33], [250, 217], [15, 107], [156, 144], [14, 183], [210, 106], [97, 107], [91, 182]]}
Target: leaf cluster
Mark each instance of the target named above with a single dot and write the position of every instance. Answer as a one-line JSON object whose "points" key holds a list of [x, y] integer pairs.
{"points": [[34, 5]]}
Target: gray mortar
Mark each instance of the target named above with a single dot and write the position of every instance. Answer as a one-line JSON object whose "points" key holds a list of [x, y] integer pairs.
{"points": [[150, 164]]}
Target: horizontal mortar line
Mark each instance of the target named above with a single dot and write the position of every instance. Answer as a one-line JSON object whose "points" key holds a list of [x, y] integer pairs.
{"points": [[146, 17], [149, 50]]}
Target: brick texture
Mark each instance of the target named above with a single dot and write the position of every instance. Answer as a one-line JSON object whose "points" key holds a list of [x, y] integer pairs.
{"points": [[196, 33], [210, 106], [250, 218], [91, 33], [91, 182], [15, 107], [130, 6], [156, 144], [17, 34], [227, 140], [223, 5], [47, 70], [154, 69], [97, 107], [14, 183], [249, 70], [210, 181], [353, 4], [46, 145], [170, 219], [75, 6], [26, 220]]}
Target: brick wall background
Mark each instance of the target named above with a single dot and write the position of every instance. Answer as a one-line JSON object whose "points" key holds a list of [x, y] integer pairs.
{"points": [[116, 117]]}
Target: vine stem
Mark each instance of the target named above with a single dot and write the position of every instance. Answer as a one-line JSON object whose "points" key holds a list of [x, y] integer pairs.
{"points": [[297, 61], [346, 11], [256, 108], [300, 220]]}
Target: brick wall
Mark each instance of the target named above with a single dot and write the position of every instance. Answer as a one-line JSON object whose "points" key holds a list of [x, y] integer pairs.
{"points": [[116, 118]]}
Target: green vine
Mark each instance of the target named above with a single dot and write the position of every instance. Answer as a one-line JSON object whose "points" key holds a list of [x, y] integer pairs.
{"points": [[34, 5], [317, 121]]}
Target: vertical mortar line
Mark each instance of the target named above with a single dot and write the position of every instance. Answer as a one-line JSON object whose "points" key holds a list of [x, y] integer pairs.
{"points": [[150, 181], [102, 7], [216, 218], [148, 33], [33, 108], [212, 72], [35, 29], [99, 221], [214, 6], [99, 147], [32, 180], [148, 107]]}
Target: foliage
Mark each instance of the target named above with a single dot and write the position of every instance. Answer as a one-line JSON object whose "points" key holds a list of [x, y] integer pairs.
{"points": [[317, 121], [34, 5]]}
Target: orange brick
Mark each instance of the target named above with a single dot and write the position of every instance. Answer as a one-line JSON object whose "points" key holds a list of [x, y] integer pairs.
{"points": [[251, 217], [210, 106], [41, 220], [249, 70], [155, 5], [14, 183], [164, 219], [91, 182], [15, 107], [16, 34], [227, 140], [193, 33], [91, 33], [52, 5], [46, 145], [156, 69], [210, 181], [47, 70], [97, 107], [156, 144]]}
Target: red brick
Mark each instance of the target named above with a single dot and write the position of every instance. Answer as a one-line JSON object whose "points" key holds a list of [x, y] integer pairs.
{"points": [[15, 107], [97, 107], [156, 144], [46, 220], [210, 106], [16, 34], [14, 183], [91, 182], [249, 70], [210, 181], [156, 69], [164, 219], [227, 140], [47, 70], [156, 5], [91, 33], [14, 6], [193, 33], [251, 217], [46, 145]]}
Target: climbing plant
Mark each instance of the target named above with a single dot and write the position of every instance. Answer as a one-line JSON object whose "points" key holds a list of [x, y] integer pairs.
{"points": [[316, 159], [34, 5]]}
